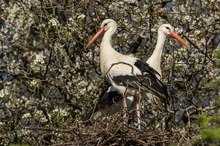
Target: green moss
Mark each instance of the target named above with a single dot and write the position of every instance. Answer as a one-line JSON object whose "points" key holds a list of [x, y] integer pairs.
{"points": [[19, 145], [211, 134], [216, 54], [217, 64], [198, 142], [204, 121], [214, 84], [217, 102], [173, 144]]}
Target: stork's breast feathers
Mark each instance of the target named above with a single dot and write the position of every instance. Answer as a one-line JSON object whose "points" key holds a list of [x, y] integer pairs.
{"points": [[122, 68]]}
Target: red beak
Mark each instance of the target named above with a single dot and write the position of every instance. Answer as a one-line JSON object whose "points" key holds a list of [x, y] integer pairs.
{"points": [[177, 37], [98, 34]]}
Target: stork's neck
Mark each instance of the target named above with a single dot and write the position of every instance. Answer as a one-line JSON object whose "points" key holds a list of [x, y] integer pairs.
{"points": [[107, 38], [106, 50], [155, 59], [106, 47], [159, 47]]}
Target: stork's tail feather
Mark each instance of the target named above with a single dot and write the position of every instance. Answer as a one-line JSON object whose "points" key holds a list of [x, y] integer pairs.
{"points": [[107, 100]]}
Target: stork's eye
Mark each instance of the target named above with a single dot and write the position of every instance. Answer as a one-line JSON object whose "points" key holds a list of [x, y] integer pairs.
{"points": [[105, 24], [168, 28]]}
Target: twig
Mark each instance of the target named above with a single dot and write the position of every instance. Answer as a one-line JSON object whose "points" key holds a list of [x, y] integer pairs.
{"points": [[194, 45]]}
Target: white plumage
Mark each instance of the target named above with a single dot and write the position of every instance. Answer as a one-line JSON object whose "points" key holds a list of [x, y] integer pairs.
{"points": [[129, 75]]}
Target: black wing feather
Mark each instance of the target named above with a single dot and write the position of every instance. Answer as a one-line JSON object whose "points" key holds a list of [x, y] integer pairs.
{"points": [[144, 67], [147, 81]]}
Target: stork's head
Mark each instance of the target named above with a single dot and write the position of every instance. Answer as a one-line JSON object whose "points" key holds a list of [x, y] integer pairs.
{"points": [[107, 25], [168, 30]]}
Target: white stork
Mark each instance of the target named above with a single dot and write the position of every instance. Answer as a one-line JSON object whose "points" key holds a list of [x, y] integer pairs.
{"points": [[129, 75]]}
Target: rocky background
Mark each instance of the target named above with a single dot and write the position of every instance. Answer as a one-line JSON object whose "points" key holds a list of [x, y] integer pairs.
{"points": [[49, 80]]}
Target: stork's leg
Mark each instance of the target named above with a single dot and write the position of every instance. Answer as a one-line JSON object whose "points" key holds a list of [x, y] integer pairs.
{"points": [[137, 108], [124, 111]]}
